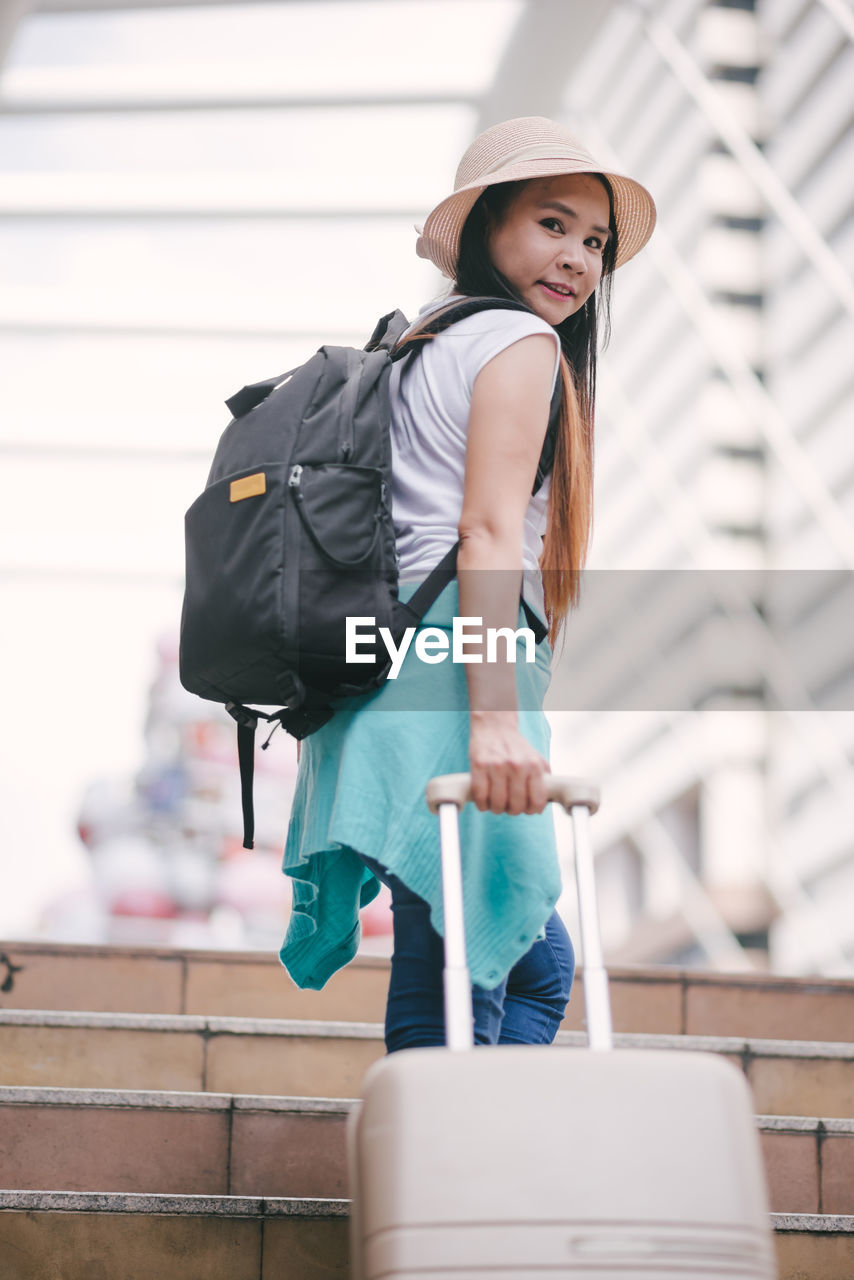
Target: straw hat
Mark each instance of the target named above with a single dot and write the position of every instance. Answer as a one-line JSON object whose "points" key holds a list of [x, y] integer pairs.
{"points": [[529, 147]]}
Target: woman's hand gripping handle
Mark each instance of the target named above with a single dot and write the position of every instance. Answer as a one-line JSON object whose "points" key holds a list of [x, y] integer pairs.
{"points": [[456, 789]]}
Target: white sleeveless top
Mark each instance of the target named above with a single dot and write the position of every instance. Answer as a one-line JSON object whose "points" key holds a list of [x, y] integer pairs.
{"points": [[430, 402]]}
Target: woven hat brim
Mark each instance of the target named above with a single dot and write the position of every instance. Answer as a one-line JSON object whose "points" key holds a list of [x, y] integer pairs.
{"points": [[634, 211]]}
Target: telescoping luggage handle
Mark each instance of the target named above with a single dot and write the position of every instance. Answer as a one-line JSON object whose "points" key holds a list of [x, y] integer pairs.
{"points": [[446, 795]]}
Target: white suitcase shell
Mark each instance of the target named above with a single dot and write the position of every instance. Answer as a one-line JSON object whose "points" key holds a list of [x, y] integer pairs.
{"points": [[520, 1162]]}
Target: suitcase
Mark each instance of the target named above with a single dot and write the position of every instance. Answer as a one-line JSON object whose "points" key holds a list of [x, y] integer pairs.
{"points": [[516, 1162]]}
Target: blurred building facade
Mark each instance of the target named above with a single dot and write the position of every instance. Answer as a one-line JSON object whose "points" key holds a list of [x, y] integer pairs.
{"points": [[725, 449], [723, 453]]}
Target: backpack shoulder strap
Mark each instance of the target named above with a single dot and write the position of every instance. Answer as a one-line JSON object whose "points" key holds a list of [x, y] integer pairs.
{"points": [[438, 321], [441, 320], [428, 592]]}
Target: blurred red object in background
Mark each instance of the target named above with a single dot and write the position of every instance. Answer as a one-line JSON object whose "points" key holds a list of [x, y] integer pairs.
{"points": [[376, 917], [144, 902]]}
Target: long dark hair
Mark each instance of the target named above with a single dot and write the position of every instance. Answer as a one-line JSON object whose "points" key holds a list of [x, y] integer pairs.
{"points": [[571, 495]]}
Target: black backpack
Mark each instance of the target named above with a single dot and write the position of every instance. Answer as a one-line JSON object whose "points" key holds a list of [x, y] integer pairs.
{"points": [[293, 534]]}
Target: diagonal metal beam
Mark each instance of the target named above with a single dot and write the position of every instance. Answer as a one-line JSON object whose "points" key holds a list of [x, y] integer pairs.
{"points": [[816, 733], [730, 591], [738, 141], [751, 391], [11, 13], [656, 845], [843, 15], [549, 39]]}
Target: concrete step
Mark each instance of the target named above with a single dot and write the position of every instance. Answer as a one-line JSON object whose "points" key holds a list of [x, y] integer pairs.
{"points": [[187, 1054], [125, 979], [329, 1059], [809, 1164], [814, 1246], [91, 1236], [114, 979], [60, 1235], [219, 1144], [198, 1144]]}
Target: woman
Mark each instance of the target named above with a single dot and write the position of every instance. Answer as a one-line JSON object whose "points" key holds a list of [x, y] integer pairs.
{"points": [[534, 219]]}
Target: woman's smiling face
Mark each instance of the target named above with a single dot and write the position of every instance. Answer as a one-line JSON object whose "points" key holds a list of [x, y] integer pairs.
{"points": [[550, 241]]}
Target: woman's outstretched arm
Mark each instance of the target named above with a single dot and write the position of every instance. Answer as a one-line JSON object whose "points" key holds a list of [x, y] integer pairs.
{"points": [[507, 426]]}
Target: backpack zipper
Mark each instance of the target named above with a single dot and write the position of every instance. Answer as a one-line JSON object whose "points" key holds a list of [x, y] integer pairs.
{"points": [[294, 477]]}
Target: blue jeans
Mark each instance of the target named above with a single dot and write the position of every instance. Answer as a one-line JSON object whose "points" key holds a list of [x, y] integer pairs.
{"points": [[526, 1008]]}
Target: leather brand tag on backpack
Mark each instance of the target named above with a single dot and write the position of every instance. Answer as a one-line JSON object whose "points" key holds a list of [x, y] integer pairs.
{"points": [[248, 487]]}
